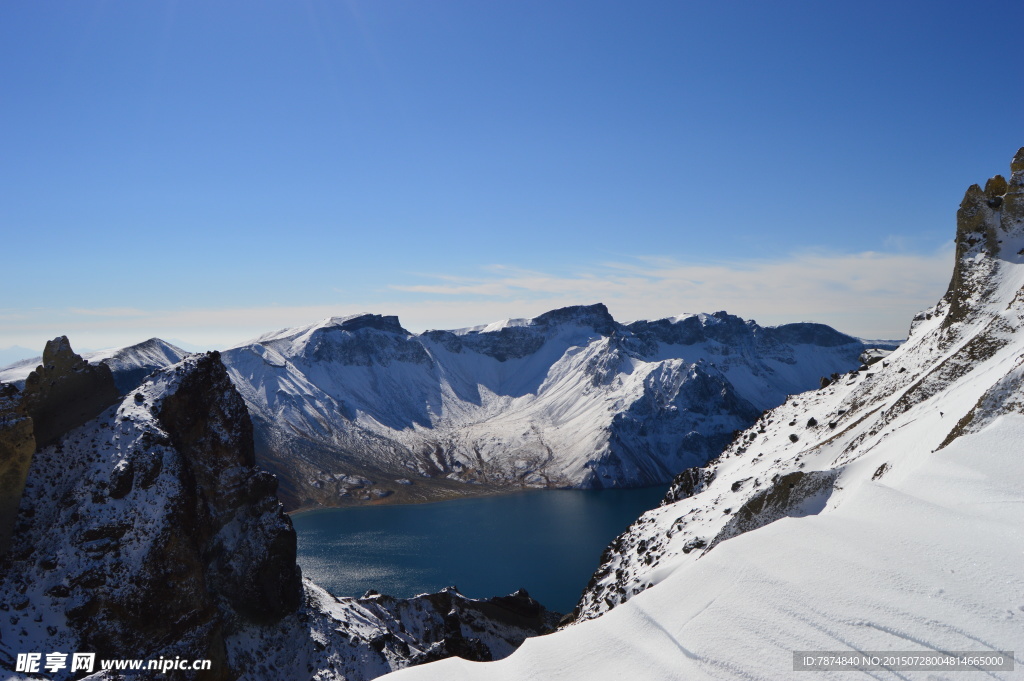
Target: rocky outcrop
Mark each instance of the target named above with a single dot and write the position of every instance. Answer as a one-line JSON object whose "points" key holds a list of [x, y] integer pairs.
{"points": [[130, 365], [1013, 199], [65, 391], [62, 393], [150, 531], [794, 494], [984, 218], [253, 565], [689, 482], [447, 624]]}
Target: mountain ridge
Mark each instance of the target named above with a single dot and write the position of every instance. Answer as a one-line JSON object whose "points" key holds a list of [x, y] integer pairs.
{"points": [[357, 409], [570, 398]]}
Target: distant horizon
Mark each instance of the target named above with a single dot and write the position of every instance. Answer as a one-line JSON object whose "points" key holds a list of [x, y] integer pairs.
{"points": [[29, 353]]}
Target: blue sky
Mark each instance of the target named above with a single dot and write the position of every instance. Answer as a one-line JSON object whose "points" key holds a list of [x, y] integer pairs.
{"points": [[212, 170]]}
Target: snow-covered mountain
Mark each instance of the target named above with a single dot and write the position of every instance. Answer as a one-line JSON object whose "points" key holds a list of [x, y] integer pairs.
{"points": [[143, 530], [129, 365], [883, 512], [358, 408], [355, 409]]}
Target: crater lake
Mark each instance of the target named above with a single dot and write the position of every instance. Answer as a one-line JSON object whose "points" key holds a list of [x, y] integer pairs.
{"points": [[548, 542]]}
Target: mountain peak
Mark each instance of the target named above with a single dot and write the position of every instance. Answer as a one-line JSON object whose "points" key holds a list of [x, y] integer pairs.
{"points": [[596, 316], [368, 321], [65, 391], [1017, 164], [1013, 200]]}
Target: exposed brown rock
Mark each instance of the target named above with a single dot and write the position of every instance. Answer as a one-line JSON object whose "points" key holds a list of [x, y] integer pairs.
{"points": [[209, 425], [983, 219], [995, 187], [1017, 164], [65, 391], [1013, 201]]}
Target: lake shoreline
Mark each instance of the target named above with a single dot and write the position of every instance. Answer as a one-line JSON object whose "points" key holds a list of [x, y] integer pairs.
{"points": [[483, 494]]}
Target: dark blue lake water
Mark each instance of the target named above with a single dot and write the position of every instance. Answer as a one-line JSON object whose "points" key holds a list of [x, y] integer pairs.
{"points": [[547, 542]]}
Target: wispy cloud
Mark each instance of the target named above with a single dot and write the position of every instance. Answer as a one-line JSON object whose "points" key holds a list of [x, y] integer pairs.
{"points": [[871, 294], [108, 312]]}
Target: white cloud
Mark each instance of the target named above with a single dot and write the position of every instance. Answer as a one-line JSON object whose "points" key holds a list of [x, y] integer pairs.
{"points": [[869, 294], [108, 312]]}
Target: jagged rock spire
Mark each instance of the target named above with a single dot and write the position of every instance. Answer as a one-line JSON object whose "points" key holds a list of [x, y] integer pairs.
{"points": [[984, 218], [1013, 201]]}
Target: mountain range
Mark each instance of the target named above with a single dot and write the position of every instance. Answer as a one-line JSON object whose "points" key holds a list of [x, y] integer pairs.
{"points": [[358, 409]]}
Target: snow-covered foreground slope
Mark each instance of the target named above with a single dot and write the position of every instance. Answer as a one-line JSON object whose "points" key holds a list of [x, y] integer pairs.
{"points": [[924, 564], [358, 408], [884, 512]]}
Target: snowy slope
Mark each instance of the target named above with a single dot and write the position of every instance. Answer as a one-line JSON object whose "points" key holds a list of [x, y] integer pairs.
{"points": [[345, 407], [883, 512]]}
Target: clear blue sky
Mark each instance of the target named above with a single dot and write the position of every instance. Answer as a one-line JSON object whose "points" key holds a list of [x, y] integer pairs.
{"points": [[210, 170]]}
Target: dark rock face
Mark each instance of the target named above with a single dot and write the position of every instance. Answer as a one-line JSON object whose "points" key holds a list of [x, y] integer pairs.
{"points": [[150, 529], [731, 330], [373, 321], [253, 567], [451, 625], [378, 343], [672, 429], [689, 482], [511, 342], [595, 316], [17, 443], [794, 494], [1013, 199], [983, 216], [65, 391], [807, 333]]}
